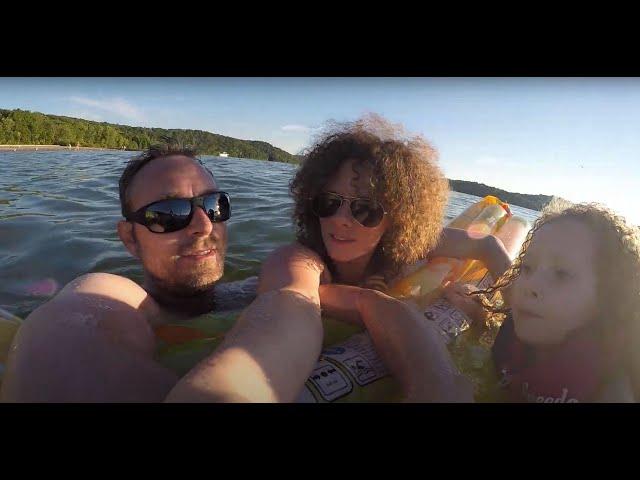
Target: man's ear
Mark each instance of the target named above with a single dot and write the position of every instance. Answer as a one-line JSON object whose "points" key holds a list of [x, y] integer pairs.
{"points": [[125, 232]]}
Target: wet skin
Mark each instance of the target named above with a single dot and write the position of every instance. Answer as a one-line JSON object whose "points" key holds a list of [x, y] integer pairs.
{"points": [[99, 327]]}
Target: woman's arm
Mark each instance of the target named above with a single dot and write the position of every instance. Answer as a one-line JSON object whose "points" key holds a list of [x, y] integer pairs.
{"points": [[340, 302], [411, 348]]}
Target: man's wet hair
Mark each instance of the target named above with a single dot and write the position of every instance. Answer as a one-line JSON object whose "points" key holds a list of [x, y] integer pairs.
{"points": [[167, 149]]}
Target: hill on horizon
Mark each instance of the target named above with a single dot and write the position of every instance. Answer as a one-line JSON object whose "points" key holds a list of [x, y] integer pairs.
{"points": [[35, 128]]}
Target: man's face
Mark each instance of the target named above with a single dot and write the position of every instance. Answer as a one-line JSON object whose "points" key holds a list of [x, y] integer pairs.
{"points": [[178, 261]]}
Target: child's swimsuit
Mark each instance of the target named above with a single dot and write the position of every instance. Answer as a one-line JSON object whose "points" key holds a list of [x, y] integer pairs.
{"points": [[573, 372]]}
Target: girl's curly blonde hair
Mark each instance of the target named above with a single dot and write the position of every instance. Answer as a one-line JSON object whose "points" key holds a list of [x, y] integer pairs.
{"points": [[405, 179], [617, 269]]}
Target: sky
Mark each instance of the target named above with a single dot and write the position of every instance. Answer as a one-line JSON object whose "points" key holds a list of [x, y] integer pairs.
{"points": [[578, 138]]}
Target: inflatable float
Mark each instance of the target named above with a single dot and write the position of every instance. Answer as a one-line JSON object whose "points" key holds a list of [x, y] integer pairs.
{"points": [[9, 325], [348, 369]]}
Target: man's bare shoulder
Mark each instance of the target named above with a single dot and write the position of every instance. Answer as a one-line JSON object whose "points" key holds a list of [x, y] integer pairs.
{"points": [[106, 285], [103, 303], [90, 340], [116, 291]]}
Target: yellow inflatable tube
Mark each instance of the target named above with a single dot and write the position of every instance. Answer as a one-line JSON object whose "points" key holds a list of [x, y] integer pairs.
{"points": [[480, 219], [9, 325]]}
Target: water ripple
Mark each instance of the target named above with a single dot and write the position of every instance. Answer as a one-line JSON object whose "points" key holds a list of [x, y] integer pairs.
{"points": [[59, 210]]}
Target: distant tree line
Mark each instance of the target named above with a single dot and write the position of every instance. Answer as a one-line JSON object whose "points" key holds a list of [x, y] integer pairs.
{"points": [[20, 127], [532, 202]]}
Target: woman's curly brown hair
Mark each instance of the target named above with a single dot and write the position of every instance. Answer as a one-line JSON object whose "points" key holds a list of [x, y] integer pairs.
{"points": [[617, 269], [406, 180]]}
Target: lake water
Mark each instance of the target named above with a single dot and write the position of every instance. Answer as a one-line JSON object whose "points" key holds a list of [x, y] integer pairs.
{"points": [[58, 215]]}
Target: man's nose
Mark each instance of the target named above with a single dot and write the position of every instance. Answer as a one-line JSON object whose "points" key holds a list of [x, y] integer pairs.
{"points": [[200, 224]]}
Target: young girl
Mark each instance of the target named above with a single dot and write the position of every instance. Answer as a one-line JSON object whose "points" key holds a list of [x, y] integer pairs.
{"points": [[571, 309]]}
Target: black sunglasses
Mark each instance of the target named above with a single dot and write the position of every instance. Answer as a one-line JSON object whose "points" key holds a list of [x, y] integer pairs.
{"points": [[171, 215], [365, 211]]}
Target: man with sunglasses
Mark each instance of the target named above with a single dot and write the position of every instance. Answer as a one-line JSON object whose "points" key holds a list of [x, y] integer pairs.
{"points": [[94, 342]]}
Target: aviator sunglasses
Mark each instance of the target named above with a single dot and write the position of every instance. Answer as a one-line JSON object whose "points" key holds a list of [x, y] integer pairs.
{"points": [[171, 215], [365, 211]]}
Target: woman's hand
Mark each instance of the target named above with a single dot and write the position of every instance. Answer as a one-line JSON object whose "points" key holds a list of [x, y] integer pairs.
{"points": [[458, 295], [489, 249], [340, 302], [412, 349]]}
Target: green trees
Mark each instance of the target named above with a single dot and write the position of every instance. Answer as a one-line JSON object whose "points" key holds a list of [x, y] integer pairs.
{"points": [[34, 128], [532, 202]]}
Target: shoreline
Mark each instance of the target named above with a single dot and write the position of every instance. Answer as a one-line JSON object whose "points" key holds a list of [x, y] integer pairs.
{"points": [[528, 201], [34, 148]]}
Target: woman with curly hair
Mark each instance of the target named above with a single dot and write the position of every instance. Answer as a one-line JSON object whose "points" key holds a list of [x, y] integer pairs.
{"points": [[370, 200], [570, 309]]}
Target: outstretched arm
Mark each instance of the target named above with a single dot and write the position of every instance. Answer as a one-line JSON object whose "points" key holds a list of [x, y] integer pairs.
{"points": [[266, 357], [275, 344]]}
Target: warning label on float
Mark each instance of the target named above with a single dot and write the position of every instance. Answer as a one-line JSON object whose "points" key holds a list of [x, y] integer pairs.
{"points": [[358, 356], [449, 319], [329, 381], [361, 370]]}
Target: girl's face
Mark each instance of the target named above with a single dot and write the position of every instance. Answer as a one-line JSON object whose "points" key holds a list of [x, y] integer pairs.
{"points": [[555, 292], [344, 238]]}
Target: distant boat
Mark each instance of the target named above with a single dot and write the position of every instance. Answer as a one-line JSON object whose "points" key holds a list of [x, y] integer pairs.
{"points": [[223, 154]]}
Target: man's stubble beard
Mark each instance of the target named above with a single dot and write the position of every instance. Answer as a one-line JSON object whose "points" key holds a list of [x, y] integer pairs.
{"points": [[199, 280]]}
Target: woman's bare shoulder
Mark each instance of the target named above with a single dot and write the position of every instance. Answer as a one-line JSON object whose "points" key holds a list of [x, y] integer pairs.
{"points": [[295, 267], [295, 254]]}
